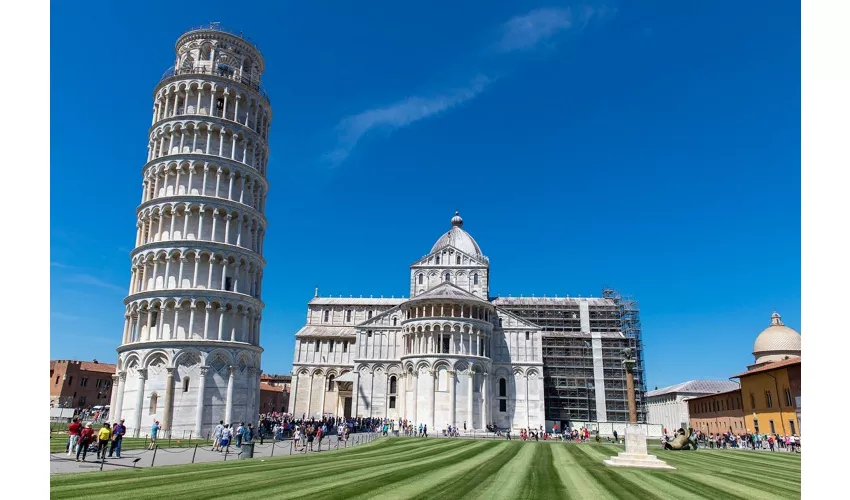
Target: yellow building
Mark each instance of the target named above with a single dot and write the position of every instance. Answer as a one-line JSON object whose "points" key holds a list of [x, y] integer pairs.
{"points": [[770, 388]]}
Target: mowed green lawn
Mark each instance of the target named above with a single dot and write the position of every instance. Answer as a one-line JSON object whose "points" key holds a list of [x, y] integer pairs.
{"points": [[447, 469], [59, 443]]}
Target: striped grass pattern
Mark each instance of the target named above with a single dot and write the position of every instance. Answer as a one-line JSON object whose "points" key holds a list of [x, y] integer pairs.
{"points": [[59, 443], [448, 469]]}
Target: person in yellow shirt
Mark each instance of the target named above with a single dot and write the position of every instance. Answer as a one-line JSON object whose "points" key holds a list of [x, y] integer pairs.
{"points": [[103, 436]]}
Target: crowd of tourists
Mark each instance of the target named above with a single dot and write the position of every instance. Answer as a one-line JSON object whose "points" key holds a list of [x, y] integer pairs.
{"points": [[751, 441], [83, 439]]}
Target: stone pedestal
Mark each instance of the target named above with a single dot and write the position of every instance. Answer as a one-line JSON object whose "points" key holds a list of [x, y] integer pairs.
{"points": [[635, 454]]}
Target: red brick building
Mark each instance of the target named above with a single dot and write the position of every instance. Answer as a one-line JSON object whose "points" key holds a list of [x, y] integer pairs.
{"points": [[722, 412], [80, 384], [274, 393]]}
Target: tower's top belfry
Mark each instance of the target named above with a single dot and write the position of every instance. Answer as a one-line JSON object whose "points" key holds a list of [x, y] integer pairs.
{"points": [[212, 49]]}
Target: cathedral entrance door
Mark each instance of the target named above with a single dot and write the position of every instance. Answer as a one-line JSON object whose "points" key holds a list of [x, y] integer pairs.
{"points": [[347, 407]]}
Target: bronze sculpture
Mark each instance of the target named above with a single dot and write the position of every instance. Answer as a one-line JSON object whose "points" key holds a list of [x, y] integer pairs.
{"points": [[682, 441]]}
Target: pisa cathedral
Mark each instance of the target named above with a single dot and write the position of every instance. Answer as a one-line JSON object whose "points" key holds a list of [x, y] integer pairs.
{"points": [[451, 355]]}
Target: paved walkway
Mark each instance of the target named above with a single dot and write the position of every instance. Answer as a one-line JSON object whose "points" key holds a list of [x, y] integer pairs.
{"points": [[61, 463]]}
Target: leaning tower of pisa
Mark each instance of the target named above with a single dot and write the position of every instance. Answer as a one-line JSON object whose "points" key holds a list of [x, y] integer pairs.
{"points": [[190, 352]]}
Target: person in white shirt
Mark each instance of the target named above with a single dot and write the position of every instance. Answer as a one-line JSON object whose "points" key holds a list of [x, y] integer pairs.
{"points": [[217, 436], [296, 437], [226, 436]]}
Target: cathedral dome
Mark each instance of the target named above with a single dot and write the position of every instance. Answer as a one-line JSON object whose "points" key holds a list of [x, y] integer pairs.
{"points": [[777, 342], [458, 238]]}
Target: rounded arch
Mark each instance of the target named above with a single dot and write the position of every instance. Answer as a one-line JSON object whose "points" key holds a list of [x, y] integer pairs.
{"points": [[131, 360], [187, 357], [156, 355], [442, 363], [422, 365]]}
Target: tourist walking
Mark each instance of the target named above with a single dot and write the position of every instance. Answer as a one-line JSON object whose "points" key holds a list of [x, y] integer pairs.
{"points": [[239, 431], [217, 436], [226, 436], [319, 435], [154, 434], [103, 436], [296, 437], [118, 431], [86, 438], [310, 437], [74, 435]]}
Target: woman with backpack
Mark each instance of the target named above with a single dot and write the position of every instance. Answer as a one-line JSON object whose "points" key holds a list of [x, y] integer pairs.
{"points": [[86, 438]]}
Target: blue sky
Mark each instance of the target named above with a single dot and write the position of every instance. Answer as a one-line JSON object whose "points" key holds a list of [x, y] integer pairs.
{"points": [[648, 146]]}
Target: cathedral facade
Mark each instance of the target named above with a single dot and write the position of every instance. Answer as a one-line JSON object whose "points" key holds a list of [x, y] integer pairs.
{"points": [[447, 355]]}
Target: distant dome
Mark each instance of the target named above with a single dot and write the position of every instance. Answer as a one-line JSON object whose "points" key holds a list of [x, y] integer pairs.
{"points": [[459, 239], [777, 342]]}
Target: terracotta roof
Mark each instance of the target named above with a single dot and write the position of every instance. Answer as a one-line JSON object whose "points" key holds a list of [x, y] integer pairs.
{"points": [[267, 387], [87, 365], [97, 367], [712, 395], [769, 367]]}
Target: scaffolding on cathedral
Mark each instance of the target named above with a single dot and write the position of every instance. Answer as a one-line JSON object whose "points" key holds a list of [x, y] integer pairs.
{"points": [[571, 389]]}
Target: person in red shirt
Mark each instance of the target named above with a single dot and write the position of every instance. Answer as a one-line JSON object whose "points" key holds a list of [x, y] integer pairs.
{"points": [[73, 435], [86, 438]]}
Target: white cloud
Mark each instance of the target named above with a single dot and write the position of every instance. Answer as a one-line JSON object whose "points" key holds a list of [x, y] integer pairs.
{"points": [[63, 316], [60, 265], [398, 115], [87, 279], [524, 32]]}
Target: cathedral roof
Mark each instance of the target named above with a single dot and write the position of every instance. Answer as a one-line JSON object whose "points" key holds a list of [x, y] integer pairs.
{"points": [[539, 301], [323, 331], [356, 301], [457, 238], [448, 291]]}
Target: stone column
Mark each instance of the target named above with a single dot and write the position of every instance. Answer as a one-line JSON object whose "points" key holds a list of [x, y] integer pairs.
{"points": [[528, 405], [403, 403], [415, 396], [199, 407], [484, 401], [253, 412], [113, 397], [294, 393], [228, 405], [453, 409], [119, 400], [309, 396], [355, 393], [469, 415], [371, 392], [140, 399], [431, 401], [249, 400], [167, 412]]}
